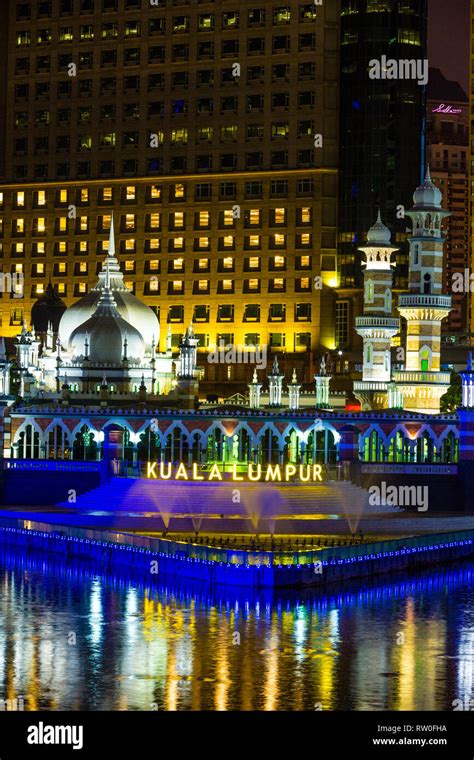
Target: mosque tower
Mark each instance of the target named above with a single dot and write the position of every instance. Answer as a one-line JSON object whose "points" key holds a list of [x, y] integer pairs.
{"points": [[377, 326], [424, 307]]}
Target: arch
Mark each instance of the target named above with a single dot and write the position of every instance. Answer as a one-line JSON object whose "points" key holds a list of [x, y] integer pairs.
{"points": [[425, 358], [388, 300], [85, 445], [28, 440], [427, 281], [58, 441], [369, 291]]}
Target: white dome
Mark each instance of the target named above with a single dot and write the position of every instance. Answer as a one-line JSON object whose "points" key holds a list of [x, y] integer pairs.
{"points": [[106, 334], [428, 195], [129, 307], [379, 234]]}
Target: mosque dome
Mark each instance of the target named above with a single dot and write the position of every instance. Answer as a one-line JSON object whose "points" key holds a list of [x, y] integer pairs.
{"points": [[379, 234], [105, 337], [130, 308], [49, 308], [427, 195]]}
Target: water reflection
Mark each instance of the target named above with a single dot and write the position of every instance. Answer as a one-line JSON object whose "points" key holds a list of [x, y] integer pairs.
{"points": [[73, 638]]}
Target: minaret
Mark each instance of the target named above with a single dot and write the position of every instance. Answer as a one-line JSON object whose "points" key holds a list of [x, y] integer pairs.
{"points": [[187, 354], [377, 327], [254, 391], [322, 381], [294, 392], [275, 380], [424, 307]]}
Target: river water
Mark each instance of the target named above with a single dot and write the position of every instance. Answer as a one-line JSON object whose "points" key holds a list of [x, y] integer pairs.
{"points": [[74, 638]]}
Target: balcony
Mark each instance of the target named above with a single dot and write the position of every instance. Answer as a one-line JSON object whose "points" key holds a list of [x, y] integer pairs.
{"points": [[423, 378], [390, 322], [416, 300]]}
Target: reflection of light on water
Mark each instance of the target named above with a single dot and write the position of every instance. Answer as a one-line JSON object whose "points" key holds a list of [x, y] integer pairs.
{"points": [[95, 611], [466, 665]]}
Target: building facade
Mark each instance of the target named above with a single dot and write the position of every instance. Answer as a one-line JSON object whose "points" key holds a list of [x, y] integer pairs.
{"points": [[382, 137], [447, 147]]}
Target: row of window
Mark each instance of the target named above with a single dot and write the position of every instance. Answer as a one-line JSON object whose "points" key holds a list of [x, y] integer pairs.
{"points": [[177, 193], [179, 136], [204, 106], [153, 266], [279, 72], [228, 162], [180, 51], [178, 24]]}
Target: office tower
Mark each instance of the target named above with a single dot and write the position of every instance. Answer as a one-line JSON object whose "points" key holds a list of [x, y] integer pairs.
{"points": [[447, 146], [197, 124], [382, 127]]}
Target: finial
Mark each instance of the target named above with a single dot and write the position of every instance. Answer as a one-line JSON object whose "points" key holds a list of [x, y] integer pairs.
{"points": [[428, 174], [276, 368], [111, 251], [255, 378], [293, 378], [379, 218]]}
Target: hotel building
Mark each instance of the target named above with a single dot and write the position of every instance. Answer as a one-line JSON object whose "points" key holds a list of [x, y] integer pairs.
{"points": [[447, 138], [210, 130]]}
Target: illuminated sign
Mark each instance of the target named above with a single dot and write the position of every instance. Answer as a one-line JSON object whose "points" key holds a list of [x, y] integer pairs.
{"points": [[274, 473], [443, 108]]}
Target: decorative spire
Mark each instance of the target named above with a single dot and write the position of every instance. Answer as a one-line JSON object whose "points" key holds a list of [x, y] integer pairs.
{"points": [[293, 377], [111, 251], [428, 174], [255, 378]]}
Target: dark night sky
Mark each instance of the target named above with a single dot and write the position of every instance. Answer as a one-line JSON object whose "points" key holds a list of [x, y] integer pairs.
{"points": [[448, 39]]}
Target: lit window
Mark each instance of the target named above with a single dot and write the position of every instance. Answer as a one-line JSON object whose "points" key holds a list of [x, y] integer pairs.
{"points": [[228, 241], [40, 248], [203, 284], [254, 216], [20, 199], [62, 224], [228, 218], [82, 287], [254, 240], [253, 284], [278, 283], [305, 261], [129, 266], [62, 267], [280, 216], [279, 261], [154, 265], [178, 242], [305, 238], [63, 196], [203, 242], [106, 221], [155, 221], [306, 215], [84, 195], [279, 239], [179, 191], [41, 198], [226, 284], [178, 219], [154, 284], [178, 264], [203, 263], [83, 223], [106, 194], [130, 244], [129, 221], [130, 193], [20, 225], [19, 268], [155, 192], [19, 248], [228, 262], [83, 267], [254, 262], [177, 284], [83, 246], [179, 136], [154, 244], [39, 288], [203, 218], [61, 288]]}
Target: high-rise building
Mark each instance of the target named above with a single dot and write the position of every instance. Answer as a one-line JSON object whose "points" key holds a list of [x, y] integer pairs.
{"points": [[210, 129], [383, 76], [447, 146]]}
